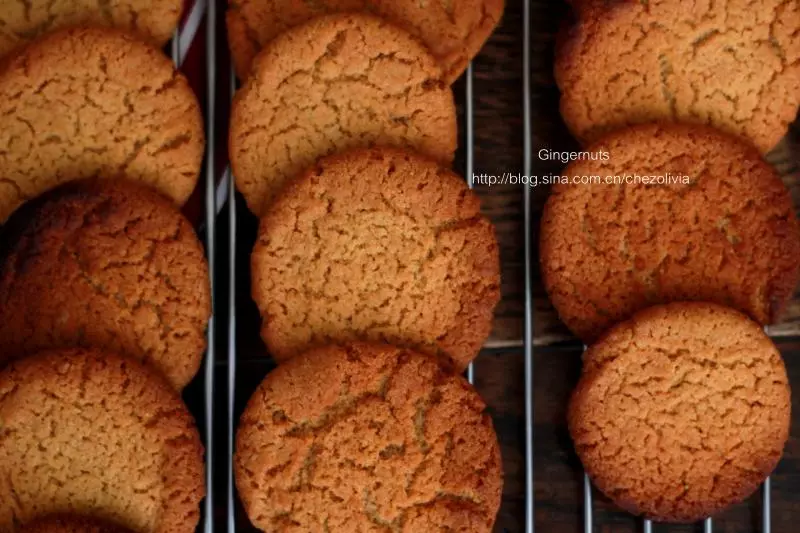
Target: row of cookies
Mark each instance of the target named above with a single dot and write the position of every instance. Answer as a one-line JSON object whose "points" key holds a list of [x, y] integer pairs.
{"points": [[104, 287], [682, 409], [389, 247], [374, 272], [104, 302], [386, 246]]}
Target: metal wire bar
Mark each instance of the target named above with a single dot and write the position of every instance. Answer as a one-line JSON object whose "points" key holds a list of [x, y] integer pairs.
{"points": [[175, 48], [211, 214], [766, 502], [708, 525], [766, 516], [530, 497], [588, 510], [231, 326], [648, 526], [470, 163]]}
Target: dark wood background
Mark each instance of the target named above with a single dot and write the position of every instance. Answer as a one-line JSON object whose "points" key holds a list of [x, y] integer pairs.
{"points": [[499, 370]]}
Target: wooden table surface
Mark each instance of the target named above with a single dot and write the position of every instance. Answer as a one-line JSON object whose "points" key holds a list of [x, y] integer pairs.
{"points": [[498, 148]]}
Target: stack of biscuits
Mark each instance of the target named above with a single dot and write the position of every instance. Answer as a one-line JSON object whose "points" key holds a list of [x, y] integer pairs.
{"points": [[683, 406], [375, 274], [104, 289]]}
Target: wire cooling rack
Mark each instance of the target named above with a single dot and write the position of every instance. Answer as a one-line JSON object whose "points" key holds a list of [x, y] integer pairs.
{"points": [[530, 495]]}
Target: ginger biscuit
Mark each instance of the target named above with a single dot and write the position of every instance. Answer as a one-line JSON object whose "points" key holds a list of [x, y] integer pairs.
{"points": [[365, 437], [71, 524], [723, 64], [728, 236], [380, 245], [454, 31], [682, 411], [83, 103], [336, 82], [151, 21], [111, 265], [95, 434]]}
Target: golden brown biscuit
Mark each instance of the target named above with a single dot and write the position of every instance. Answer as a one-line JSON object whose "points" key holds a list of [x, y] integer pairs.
{"points": [[71, 524], [453, 31], [336, 82], [152, 21], [724, 64], [107, 264], [95, 434], [83, 103], [377, 244], [728, 236], [351, 438], [682, 411]]}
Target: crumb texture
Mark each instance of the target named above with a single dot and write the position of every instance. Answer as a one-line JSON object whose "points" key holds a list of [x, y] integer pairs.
{"points": [[111, 265], [730, 236], [636, 62], [336, 82], [453, 30], [71, 524], [367, 438], [93, 434], [22, 21], [681, 411], [83, 103], [378, 245]]}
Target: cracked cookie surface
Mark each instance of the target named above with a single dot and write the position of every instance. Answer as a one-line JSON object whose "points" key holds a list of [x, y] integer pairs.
{"points": [[84, 103], [96, 434], [453, 30], [734, 65], [23, 20], [336, 82], [71, 524], [367, 438], [381, 245], [682, 411], [111, 265], [730, 236]]}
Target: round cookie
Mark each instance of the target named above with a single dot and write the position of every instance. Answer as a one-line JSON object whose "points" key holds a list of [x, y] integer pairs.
{"points": [[381, 245], [111, 265], [154, 22], [336, 82], [683, 411], [635, 62], [83, 103], [728, 236], [71, 524], [348, 438], [94, 434], [454, 32]]}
